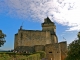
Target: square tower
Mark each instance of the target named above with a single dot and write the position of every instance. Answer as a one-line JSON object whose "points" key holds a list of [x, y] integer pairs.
{"points": [[48, 25]]}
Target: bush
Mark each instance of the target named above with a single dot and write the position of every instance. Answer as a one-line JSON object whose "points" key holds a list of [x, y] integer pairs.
{"points": [[17, 56], [4, 57], [42, 54]]}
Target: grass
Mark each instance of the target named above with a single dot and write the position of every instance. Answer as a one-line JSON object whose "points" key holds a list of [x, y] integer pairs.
{"points": [[21, 56]]}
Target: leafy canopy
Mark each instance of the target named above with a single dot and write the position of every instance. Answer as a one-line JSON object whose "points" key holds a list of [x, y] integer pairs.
{"points": [[2, 38], [74, 50]]}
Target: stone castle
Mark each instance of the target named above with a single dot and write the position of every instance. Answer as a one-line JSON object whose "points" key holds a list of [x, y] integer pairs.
{"points": [[45, 40]]}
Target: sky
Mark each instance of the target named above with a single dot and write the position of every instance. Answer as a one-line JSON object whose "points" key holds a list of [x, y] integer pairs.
{"points": [[31, 13]]}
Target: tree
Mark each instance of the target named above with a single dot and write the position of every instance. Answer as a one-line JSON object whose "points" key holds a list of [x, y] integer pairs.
{"points": [[74, 50], [2, 38]]}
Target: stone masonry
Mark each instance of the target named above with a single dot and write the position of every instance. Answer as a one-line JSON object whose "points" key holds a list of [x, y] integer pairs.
{"points": [[41, 40]]}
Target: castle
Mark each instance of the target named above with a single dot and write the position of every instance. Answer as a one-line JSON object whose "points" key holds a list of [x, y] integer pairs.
{"points": [[44, 40]]}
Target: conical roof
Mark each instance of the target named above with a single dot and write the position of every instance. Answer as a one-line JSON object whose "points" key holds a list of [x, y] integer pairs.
{"points": [[47, 20]]}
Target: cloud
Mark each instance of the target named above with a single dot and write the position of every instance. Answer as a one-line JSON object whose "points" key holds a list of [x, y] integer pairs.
{"points": [[65, 12]]}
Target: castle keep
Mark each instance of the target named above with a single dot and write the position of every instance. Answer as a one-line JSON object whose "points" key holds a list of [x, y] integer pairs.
{"points": [[44, 40]]}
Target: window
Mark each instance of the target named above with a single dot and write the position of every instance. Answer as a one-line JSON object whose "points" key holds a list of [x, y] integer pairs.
{"points": [[50, 52]]}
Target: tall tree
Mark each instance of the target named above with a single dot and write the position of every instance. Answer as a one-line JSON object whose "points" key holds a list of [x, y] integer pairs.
{"points": [[74, 50], [78, 36], [2, 38]]}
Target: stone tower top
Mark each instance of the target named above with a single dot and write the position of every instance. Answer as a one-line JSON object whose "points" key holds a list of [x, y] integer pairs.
{"points": [[47, 20], [48, 25]]}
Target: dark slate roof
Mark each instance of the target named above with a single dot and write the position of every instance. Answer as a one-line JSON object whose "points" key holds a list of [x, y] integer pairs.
{"points": [[47, 20]]}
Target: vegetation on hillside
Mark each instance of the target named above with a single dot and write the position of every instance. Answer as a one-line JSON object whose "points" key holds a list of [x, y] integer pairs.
{"points": [[22, 56], [74, 49]]}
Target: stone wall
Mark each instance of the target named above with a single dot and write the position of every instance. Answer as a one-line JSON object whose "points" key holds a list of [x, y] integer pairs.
{"points": [[15, 41], [39, 48], [45, 40], [57, 52], [31, 38], [25, 49], [63, 47], [53, 52]]}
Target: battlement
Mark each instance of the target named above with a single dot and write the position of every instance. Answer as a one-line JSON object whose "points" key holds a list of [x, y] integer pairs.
{"points": [[30, 30]]}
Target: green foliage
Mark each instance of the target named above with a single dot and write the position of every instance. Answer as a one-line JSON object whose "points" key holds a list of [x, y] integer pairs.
{"points": [[4, 57], [16, 56], [2, 38], [42, 54], [74, 51], [78, 35], [34, 57]]}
